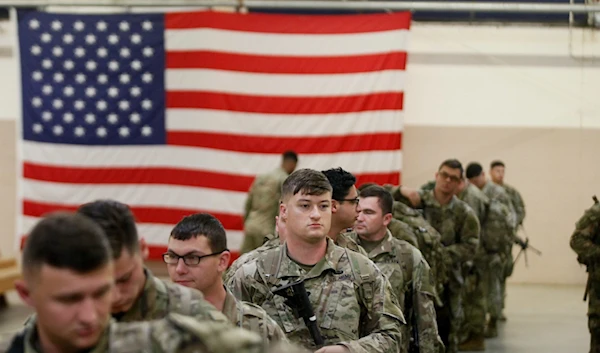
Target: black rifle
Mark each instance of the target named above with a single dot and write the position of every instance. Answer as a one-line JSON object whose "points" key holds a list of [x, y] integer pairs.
{"points": [[524, 244], [296, 297]]}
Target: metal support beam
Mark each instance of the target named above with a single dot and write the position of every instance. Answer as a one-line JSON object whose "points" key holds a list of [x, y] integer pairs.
{"points": [[327, 5]]}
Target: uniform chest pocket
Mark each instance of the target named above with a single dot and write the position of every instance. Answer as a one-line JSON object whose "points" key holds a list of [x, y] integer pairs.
{"points": [[338, 306]]}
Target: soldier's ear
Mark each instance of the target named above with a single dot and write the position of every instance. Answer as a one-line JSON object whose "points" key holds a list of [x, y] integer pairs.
{"points": [[283, 212], [387, 219], [334, 205]]}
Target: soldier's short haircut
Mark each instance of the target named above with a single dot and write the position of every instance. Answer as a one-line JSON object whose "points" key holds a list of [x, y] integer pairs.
{"points": [[385, 199], [341, 181], [66, 241], [452, 164], [496, 163], [473, 170], [118, 223], [290, 155], [202, 224], [307, 181], [365, 185]]}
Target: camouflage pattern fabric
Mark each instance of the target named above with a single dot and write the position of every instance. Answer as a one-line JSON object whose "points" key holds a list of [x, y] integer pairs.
{"points": [[409, 274], [347, 241], [353, 302], [459, 228], [517, 202], [262, 205], [429, 243], [159, 298], [272, 243], [585, 241], [171, 334], [252, 317], [403, 231]]}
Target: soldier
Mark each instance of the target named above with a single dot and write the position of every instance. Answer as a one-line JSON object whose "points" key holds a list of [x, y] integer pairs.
{"points": [[474, 303], [505, 233], [459, 227], [354, 307], [404, 266], [343, 208], [585, 241], [262, 204], [497, 174], [197, 256], [68, 279], [139, 295]]}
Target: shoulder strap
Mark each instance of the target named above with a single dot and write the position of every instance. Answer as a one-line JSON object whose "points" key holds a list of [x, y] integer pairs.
{"points": [[17, 344], [362, 276], [271, 262]]}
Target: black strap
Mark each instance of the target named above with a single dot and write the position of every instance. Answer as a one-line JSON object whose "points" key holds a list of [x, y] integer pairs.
{"points": [[18, 344]]}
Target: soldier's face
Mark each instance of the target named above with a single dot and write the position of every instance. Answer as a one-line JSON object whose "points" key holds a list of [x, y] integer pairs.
{"points": [[446, 180], [371, 222], [204, 276], [307, 217], [129, 279], [73, 309], [497, 174], [345, 211]]}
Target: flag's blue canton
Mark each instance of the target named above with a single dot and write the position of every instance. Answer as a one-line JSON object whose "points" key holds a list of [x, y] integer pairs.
{"points": [[93, 79]]}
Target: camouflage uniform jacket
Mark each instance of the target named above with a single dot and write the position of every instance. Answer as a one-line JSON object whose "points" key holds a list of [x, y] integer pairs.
{"points": [[262, 203], [252, 317], [174, 333], [476, 199], [585, 240], [346, 240], [409, 275], [247, 257], [353, 302], [497, 193], [457, 224], [403, 231], [517, 202], [160, 298]]}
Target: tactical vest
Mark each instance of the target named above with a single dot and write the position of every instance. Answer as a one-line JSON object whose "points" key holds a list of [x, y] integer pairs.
{"points": [[430, 240], [497, 232]]}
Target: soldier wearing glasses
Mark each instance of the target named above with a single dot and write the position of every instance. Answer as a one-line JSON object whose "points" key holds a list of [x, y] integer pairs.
{"points": [[343, 208], [459, 227], [197, 257], [139, 296]]}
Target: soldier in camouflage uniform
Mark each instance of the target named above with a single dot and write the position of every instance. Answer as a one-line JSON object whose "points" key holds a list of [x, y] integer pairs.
{"points": [[585, 241], [505, 233], [343, 208], [405, 268], [354, 306], [262, 203], [474, 303], [139, 295], [459, 228], [197, 256], [497, 169], [68, 279]]}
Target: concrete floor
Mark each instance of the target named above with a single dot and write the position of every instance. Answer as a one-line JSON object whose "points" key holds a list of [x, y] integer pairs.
{"points": [[540, 319]]}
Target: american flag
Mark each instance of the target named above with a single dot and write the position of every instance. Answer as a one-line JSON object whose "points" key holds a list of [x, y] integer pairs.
{"points": [[176, 113]]}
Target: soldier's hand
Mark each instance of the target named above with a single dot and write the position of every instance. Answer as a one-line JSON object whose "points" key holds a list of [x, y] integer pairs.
{"points": [[333, 349]]}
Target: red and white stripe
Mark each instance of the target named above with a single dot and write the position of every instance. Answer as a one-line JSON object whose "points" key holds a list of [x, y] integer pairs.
{"points": [[241, 89]]}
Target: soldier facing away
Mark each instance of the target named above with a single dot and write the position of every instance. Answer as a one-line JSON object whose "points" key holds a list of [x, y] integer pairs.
{"points": [[354, 306], [197, 256], [262, 203], [68, 279], [585, 241], [405, 268]]}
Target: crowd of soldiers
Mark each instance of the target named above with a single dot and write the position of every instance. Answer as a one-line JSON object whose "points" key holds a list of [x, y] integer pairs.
{"points": [[331, 268]]}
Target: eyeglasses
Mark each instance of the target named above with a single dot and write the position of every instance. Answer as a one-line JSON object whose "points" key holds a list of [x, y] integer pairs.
{"points": [[453, 178], [354, 200], [189, 259]]}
